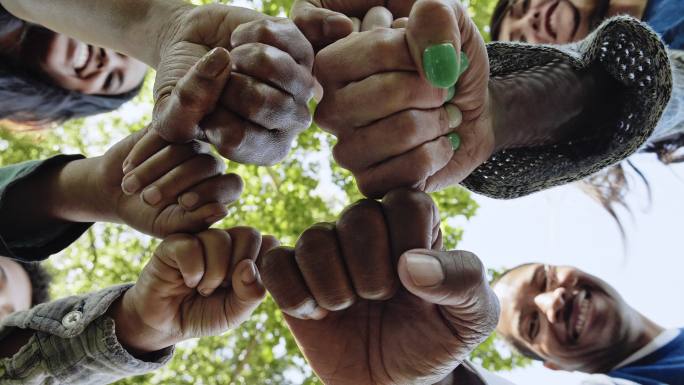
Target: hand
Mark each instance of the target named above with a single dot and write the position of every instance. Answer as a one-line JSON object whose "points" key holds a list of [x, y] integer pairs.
{"points": [[252, 113], [374, 300], [393, 125], [194, 286], [180, 188], [325, 21]]}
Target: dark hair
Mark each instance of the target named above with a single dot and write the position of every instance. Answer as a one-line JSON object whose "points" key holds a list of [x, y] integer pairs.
{"points": [[497, 18], [516, 345], [26, 97], [40, 281]]}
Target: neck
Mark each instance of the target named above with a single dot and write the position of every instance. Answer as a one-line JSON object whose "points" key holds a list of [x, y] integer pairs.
{"points": [[643, 332], [635, 8]]}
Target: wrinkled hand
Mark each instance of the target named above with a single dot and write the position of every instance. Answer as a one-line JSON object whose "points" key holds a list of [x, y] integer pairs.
{"points": [[252, 113], [394, 125], [180, 188], [325, 21], [374, 299], [194, 286]]}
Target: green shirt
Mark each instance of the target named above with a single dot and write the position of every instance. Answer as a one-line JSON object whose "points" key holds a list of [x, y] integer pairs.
{"points": [[35, 246]]}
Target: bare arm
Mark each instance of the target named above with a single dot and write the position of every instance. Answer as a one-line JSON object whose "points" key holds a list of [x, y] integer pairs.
{"points": [[132, 27]]}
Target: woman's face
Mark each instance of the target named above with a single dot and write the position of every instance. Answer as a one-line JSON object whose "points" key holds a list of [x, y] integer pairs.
{"points": [[15, 288], [77, 66], [547, 21]]}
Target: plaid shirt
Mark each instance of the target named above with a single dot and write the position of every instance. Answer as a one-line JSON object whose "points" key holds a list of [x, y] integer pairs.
{"points": [[74, 343]]}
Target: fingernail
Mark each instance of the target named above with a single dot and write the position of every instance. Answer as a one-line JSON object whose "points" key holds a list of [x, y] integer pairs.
{"points": [[216, 217], [441, 65], [130, 184], [454, 115], [333, 24], [152, 195], [451, 91], [318, 314], [424, 270], [189, 200], [205, 292], [215, 62], [127, 167], [249, 274], [455, 140]]}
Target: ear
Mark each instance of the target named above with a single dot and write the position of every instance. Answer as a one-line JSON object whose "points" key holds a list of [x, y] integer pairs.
{"points": [[551, 365]]}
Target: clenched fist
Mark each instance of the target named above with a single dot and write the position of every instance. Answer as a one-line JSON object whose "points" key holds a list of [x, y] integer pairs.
{"points": [[373, 299]]}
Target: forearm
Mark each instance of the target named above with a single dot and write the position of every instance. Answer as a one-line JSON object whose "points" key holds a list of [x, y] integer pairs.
{"points": [[58, 193], [524, 114], [132, 27]]}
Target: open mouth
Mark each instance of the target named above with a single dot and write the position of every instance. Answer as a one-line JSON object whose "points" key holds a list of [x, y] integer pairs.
{"points": [[82, 57], [547, 20], [577, 315]]}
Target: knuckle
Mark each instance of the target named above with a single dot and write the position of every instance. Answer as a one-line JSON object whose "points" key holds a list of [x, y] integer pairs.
{"points": [[247, 233], [182, 244], [409, 198]]}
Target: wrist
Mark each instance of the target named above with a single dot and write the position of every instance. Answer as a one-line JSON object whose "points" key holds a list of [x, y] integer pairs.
{"points": [[79, 196], [165, 28], [132, 332]]}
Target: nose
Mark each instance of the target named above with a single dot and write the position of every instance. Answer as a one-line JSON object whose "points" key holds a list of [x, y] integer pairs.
{"points": [[550, 303]]}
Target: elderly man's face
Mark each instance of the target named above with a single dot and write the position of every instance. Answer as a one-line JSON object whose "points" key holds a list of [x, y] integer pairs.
{"points": [[547, 21], [571, 319], [15, 288]]}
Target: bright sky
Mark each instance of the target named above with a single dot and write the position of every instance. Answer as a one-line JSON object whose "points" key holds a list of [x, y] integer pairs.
{"points": [[563, 226]]}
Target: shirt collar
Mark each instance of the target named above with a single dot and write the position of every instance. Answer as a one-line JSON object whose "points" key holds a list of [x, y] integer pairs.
{"points": [[661, 340]]}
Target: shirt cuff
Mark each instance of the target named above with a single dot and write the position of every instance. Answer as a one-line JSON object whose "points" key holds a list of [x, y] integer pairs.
{"points": [[36, 246], [75, 343]]}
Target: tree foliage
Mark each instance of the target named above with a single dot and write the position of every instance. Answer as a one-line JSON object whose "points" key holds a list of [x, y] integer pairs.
{"points": [[282, 200]]}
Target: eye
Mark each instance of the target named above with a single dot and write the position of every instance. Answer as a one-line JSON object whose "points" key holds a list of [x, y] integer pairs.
{"points": [[533, 328], [108, 82]]}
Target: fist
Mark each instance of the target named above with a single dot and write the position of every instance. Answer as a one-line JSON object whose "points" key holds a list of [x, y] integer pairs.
{"points": [[194, 286], [373, 299], [409, 107]]}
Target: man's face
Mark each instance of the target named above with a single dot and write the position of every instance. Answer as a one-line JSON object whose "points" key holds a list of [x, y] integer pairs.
{"points": [[15, 288], [571, 319], [546, 21]]}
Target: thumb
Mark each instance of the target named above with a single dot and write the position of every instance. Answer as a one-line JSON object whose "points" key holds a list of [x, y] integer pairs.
{"points": [[321, 26], [434, 38], [457, 281], [247, 293], [178, 112]]}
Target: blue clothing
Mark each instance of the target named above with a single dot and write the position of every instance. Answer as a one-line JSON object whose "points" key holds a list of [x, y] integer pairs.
{"points": [[665, 366], [667, 18]]}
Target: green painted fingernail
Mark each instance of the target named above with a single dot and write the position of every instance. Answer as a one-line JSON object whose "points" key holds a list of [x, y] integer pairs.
{"points": [[441, 65], [450, 93], [455, 140]]}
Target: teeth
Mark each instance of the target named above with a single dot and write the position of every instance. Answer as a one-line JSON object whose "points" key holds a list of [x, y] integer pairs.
{"points": [[582, 317], [81, 56]]}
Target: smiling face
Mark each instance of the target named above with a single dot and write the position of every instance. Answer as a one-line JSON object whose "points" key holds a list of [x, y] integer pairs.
{"points": [[571, 319], [15, 288], [547, 21], [80, 67]]}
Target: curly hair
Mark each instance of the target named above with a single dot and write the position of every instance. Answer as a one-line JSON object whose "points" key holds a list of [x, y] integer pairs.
{"points": [[28, 98], [40, 281]]}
